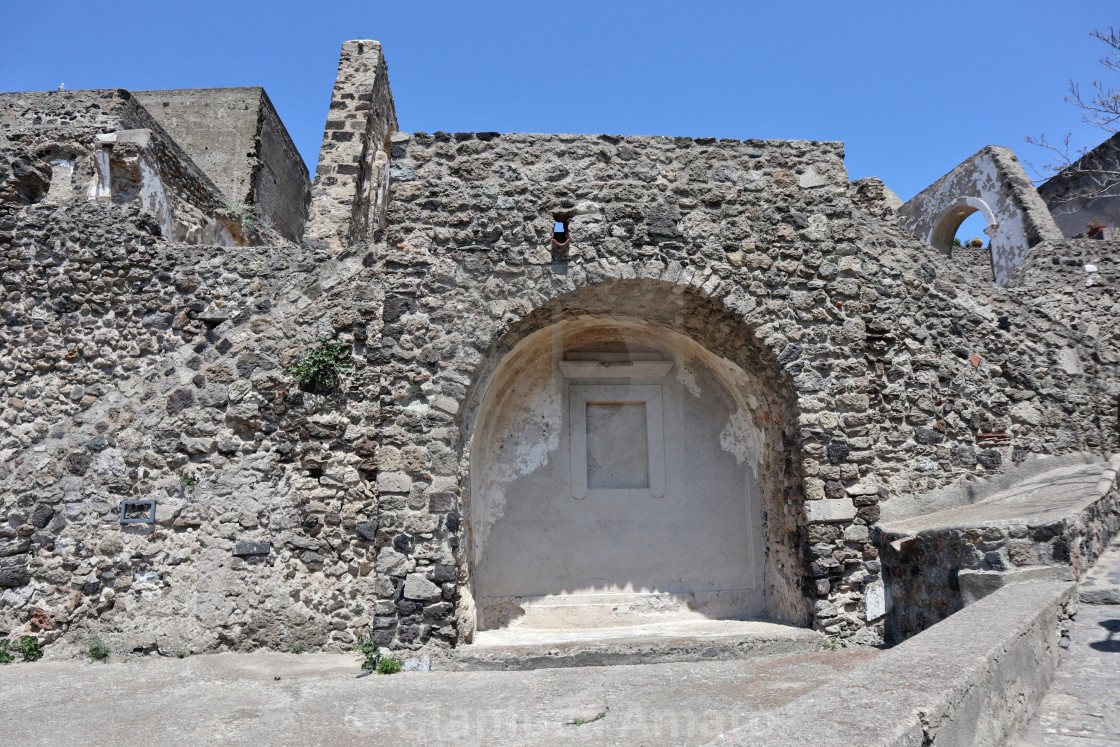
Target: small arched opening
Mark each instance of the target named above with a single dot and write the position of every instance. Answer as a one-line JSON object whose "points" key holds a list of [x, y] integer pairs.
{"points": [[964, 222]]}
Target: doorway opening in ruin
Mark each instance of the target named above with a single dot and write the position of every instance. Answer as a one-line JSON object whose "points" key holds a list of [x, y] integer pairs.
{"points": [[967, 220], [623, 473]]}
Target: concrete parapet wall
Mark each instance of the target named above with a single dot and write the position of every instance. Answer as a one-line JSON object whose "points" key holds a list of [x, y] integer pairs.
{"points": [[973, 679], [236, 137], [992, 182]]}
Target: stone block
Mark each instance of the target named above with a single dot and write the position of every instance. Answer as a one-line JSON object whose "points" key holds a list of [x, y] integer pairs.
{"points": [[864, 487], [1101, 595], [830, 510], [246, 549], [393, 482], [877, 600], [416, 586]]}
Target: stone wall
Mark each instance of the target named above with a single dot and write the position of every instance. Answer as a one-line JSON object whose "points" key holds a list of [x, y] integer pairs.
{"points": [[104, 146], [904, 371], [135, 367], [138, 369], [992, 182]]}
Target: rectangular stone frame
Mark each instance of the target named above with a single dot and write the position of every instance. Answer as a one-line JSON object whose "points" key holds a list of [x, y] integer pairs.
{"points": [[579, 395]]}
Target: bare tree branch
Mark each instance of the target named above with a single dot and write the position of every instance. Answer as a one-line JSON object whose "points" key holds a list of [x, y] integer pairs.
{"points": [[1100, 107]]}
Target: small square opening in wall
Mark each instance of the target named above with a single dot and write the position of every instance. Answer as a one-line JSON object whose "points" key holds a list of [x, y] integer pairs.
{"points": [[561, 237], [138, 512]]}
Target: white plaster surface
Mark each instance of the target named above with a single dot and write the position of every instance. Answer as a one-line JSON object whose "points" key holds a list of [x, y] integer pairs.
{"points": [[543, 559]]}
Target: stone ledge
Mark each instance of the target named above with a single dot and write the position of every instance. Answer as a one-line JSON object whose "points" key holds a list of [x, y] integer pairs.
{"points": [[656, 643], [973, 678]]}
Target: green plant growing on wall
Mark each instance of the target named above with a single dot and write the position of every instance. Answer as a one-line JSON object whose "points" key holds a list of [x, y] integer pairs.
{"points": [[321, 367], [188, 480], [297, 648], [98, 649], [30, 647], [252, 223], [5, 655]]}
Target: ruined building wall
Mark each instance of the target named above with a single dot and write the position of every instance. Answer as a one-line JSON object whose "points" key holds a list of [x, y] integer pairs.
{"points": [[349, 195], [136, 367], [1086, 191], [236, 137], [993, 182], [103, 145], [907, 375]]}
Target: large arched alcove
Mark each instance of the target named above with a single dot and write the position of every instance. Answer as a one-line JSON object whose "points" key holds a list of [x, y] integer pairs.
{"points": [[629, 462]]}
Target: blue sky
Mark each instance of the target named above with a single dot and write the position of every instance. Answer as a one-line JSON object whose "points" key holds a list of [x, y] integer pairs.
{"points": [[913, 88]]}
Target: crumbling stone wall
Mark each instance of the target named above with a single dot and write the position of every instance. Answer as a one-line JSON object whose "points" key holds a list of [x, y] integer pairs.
{"points": [[103, 145], [134, 368], [1074, 283], [348, 197], [137, 367], [905, 373]]}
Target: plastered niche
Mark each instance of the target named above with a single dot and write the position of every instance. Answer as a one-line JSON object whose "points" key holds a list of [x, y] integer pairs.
{"points": [[614, 481]]}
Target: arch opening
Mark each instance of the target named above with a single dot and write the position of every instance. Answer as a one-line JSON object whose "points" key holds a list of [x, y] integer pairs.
{"points": [[623, 472], [963, 220]]}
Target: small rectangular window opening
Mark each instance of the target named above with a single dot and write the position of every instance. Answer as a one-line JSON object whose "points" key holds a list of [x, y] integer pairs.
{"points": [[138, 512], [560, 232]]}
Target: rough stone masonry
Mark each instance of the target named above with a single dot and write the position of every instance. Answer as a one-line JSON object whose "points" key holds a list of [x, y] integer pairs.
{"points": [[742, 291]]}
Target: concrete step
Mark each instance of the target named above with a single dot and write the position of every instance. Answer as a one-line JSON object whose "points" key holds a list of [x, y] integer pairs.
{"points": [[1101, 584], [1101, 595], [520, 648]]}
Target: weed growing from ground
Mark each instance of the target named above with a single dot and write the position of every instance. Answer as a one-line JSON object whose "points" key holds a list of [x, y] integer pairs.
{"points": [[297, 648], [374, 661], [389, 665], [98, 649], [365, 646], [5, 655], [30, 647]]}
